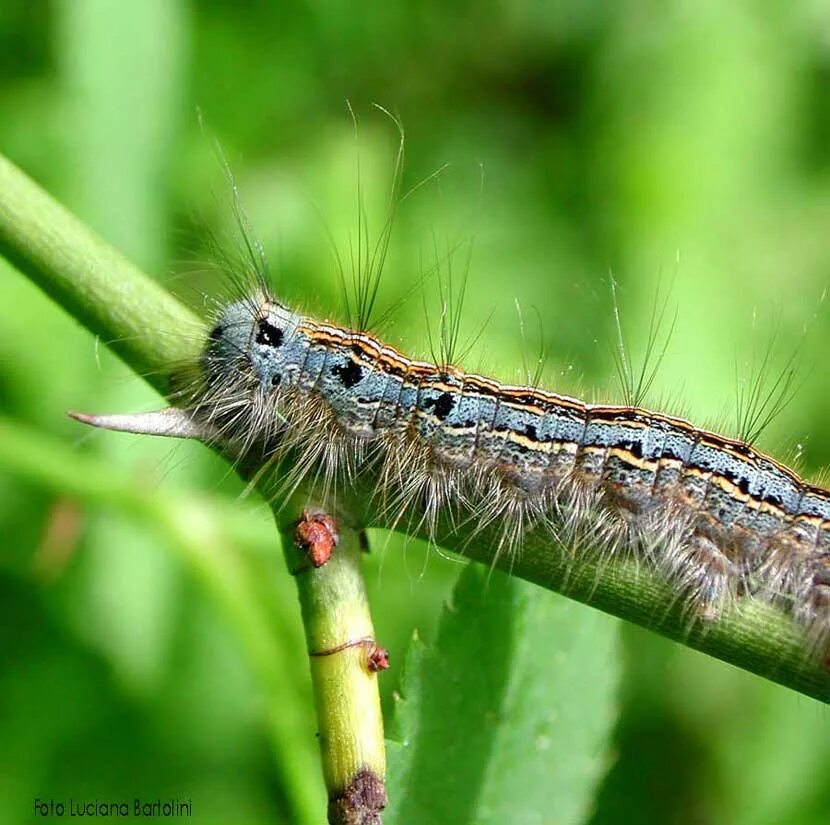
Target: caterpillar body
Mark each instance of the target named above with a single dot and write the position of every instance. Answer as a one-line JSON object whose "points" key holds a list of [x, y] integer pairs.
{"points": [[720, 520]]}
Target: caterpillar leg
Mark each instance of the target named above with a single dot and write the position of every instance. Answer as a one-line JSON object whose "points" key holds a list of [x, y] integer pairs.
{"points": [[814, 611], [707, 576]]}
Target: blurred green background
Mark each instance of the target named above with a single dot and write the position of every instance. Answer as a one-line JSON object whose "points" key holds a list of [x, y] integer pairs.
{"points": [[683, 146]]}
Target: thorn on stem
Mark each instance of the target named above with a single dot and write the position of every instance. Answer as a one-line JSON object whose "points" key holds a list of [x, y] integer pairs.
{"points": [[170, 422], [317, 536]]}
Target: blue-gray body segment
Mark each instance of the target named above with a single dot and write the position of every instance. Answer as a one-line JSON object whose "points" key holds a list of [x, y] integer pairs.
{"points": [[389, 408], [407, 402], [345, 384], [677, 447], [590, 456], [312, 370], [776, 486], [564, 429], [652, 437], [430, 406], [815, 504], [455, 443], [570, 427], [677, 444], [453, 438], [488, 440]]}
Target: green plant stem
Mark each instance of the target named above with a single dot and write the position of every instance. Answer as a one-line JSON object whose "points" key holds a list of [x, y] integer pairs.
{"points": [[755, 637], [339, 632], [138, 319]]}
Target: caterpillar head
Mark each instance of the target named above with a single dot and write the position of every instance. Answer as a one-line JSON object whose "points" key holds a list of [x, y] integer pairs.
{"points": [[256, 340]]}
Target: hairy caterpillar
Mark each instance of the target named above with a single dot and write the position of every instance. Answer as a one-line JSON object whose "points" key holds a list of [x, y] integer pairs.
{"points": [[719, 519]]}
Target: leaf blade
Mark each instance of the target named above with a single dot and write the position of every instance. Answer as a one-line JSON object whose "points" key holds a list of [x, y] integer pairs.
{"points": [[511, 708]]}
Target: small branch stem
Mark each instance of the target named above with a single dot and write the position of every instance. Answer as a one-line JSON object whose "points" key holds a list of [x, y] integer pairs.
{"points": [[340, 637]]}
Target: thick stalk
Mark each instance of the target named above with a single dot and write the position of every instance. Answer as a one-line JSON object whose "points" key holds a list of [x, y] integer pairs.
{"points": [[134, 316]]}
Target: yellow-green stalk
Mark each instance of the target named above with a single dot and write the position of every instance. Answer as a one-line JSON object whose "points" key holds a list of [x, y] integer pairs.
{"points": [[340, 637]]}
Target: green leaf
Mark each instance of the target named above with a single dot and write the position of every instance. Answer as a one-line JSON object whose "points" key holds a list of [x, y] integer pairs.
{"points": [[507, 717]]}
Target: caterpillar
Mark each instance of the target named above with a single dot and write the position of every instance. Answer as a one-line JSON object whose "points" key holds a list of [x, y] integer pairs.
{"points": [[717, 519], [714, 516]]}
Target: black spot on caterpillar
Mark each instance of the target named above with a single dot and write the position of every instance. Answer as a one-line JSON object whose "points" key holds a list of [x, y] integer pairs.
{"points": [[268, 335], [349, 374]]}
